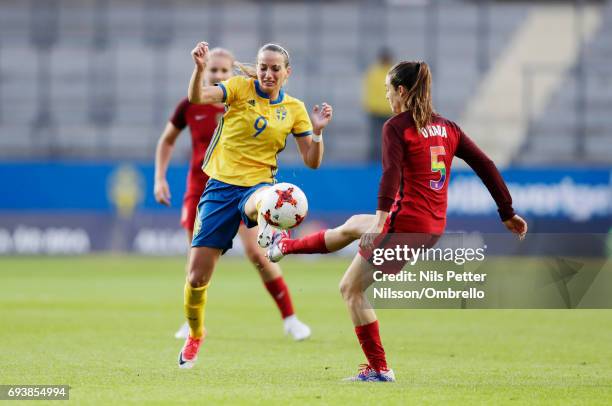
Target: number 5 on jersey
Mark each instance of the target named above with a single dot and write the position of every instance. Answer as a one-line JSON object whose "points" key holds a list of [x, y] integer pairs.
{"points": [[260, 125], [437, 166]]}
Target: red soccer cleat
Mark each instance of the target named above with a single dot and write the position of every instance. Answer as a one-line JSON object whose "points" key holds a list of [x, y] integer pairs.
{"points": [[189, 353]]}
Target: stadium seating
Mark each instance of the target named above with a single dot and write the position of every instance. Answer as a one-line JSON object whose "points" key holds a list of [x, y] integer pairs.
{"points": [[114, 102], [577, 111]]}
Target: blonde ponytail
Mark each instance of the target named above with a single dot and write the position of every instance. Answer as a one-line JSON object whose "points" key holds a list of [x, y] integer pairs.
{"points": [[246, 69]]}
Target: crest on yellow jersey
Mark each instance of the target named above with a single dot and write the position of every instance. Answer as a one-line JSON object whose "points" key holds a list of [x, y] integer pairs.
{"points": [[281, 113]]}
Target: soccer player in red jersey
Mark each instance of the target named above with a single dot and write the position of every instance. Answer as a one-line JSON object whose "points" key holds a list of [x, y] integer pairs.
{"points": [[418, 149], [202, 120]]}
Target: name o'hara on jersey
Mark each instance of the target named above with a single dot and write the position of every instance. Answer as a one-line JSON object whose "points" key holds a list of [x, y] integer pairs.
{"points": [[436, 130]]}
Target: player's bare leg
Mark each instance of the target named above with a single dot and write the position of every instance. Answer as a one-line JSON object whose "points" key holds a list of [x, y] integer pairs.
{"points": [[321, 242], [357, 278], [352, 230], [251, 209], [354, 282], [272, 278], [265, 232], [202, 261], [267, 270]]}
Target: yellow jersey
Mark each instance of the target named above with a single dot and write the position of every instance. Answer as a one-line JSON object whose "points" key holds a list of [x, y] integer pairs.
{"points": [[374, 92], [253, 130]]}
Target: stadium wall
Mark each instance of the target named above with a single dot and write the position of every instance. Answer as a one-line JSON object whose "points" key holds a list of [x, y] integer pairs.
{"points": [[73, 207]]}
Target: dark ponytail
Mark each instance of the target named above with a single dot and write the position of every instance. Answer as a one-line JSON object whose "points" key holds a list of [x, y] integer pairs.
{"points": [[416, 79]]}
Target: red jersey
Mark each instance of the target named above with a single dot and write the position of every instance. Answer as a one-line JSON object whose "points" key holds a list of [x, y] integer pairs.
{"points": [[202, 120], [416, 173]]}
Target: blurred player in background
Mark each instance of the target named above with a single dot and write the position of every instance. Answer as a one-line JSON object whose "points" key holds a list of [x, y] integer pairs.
{"points": [[418, 149], [241, 162], [374, 102], [202, 121]]}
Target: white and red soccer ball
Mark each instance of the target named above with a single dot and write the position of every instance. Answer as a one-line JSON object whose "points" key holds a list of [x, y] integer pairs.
{"points": [[284, 206]]}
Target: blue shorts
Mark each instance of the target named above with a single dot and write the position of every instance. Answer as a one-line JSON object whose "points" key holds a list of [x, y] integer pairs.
{"points": [[220, 210]]}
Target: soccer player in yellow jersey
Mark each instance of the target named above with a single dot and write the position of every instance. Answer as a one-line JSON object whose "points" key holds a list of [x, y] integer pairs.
{"points": [[202, 120], [241, 162]]}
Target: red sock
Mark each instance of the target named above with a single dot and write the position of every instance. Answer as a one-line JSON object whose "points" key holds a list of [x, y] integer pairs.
{"points": [[311, 244], [280, 293], [369, 338]]}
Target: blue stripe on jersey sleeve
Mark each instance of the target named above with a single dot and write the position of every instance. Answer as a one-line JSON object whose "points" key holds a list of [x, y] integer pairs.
{"points": [[305, 133], [222, 86]]}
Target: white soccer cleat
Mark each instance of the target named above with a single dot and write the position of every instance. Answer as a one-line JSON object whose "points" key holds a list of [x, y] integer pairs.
{"points": [[265, 234], [294, 327], [183, 332]]}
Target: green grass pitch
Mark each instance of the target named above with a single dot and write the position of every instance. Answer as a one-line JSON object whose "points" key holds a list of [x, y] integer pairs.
{"points": [[104, 325]]}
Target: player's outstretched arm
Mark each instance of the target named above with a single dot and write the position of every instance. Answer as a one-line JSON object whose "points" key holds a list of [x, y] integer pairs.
{"points": [[311, 148], [163, 153], [198, 93], [486, 170]]}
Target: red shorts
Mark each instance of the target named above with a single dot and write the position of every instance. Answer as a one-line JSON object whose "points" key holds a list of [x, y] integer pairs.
{"points": [[196, 183], [397, 238]]}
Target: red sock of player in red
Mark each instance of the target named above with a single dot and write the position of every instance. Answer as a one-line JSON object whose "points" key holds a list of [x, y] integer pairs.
{"points": [[311, 244], [280, 293], [369, 338]]}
